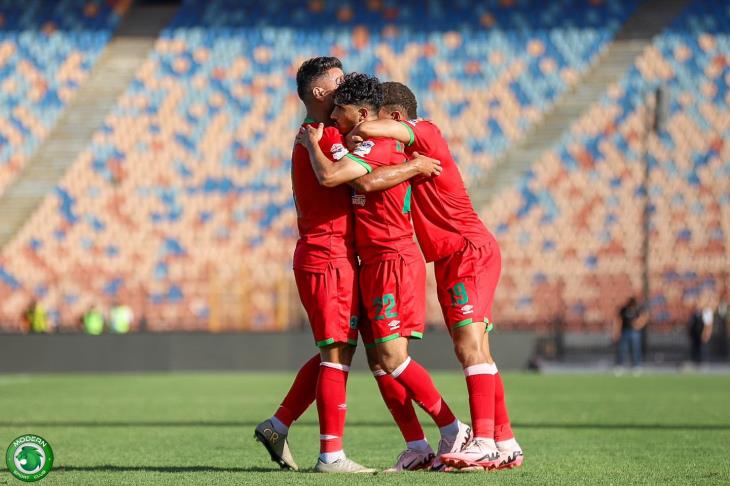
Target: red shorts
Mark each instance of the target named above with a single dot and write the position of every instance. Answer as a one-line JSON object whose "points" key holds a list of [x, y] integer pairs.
{"points": [[394, 299], [466, 281], [331, 300]]}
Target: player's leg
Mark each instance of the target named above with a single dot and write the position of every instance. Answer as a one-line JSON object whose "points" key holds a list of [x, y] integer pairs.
{"points": [[337, 340], [466, 283], [396, 361], [274, 431], [331, 396], [394, 296], [480, 371], [510, 452], [418, 453]]}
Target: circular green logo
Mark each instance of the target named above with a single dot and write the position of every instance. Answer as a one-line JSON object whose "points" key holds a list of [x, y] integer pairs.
{"points": [[29, 458]]}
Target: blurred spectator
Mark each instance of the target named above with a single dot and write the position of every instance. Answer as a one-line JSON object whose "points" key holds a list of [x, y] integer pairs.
{"points": [[36, 318], [120, 318], [627, 333], [720, 333], [93, 321], [700, 331]]}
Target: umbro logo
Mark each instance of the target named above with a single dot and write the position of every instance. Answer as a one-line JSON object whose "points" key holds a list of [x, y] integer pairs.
{"points": [[467, 309], [393, 325]]}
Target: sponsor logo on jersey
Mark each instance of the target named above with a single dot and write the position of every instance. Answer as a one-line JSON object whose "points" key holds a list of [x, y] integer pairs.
{"points": [[364, 148], [338, 151], [393, 325], [358, 199], [467, 309]]}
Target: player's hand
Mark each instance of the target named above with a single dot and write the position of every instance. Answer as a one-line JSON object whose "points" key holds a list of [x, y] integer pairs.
{"points": [[426, 165], [352, 141], [310, 136]]}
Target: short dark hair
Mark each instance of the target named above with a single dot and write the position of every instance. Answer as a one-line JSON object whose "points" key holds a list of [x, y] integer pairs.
{"points": [[359, 89], [311, 69], [398, 96]]}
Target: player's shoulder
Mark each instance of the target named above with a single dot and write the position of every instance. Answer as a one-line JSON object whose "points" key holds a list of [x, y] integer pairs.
{"points": [[421, 123], [334, 142], [381, 151]]}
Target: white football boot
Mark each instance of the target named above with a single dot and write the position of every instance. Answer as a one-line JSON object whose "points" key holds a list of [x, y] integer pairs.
{"points": [[445, 446]]}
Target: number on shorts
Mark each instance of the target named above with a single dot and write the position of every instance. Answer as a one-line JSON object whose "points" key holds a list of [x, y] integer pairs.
{"points": [[458, 294], [387, 301]]}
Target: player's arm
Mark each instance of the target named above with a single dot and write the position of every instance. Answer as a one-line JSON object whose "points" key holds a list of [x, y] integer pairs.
{"points": [[380, 129], [329, 173], [385, 177]]}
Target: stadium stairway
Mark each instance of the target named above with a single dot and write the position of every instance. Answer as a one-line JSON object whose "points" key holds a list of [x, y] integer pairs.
{"points": [[649, 19], [111, 75]]}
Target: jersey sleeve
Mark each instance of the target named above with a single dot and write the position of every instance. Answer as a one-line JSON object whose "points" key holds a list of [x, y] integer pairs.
{"points": [[421, 132], [333, 144]]}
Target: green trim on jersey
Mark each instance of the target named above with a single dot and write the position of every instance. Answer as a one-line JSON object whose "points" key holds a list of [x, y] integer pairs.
{"points": [[416, 335], [352, 342], [371, 345], [308, 120], [463, 323], [466, 322], [360, 161], [325, 342], [388, 338], [410, 132], [407, 201]]}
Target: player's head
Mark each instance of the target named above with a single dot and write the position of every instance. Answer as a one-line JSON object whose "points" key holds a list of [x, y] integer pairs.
{"points": [[357, 99], [399, 102], [317, 79]]}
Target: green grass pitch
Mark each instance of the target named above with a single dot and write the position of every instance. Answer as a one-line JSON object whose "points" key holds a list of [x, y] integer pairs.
{"points": [[197, 429]]}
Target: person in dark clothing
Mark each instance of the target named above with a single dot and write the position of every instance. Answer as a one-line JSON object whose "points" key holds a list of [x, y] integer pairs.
{"points": [[700, 331], [627, 334]]}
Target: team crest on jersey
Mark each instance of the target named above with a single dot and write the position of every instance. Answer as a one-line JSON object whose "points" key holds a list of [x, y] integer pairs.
{"points": [[364, 148], [358, 199], [353, 322], [338, 151]]}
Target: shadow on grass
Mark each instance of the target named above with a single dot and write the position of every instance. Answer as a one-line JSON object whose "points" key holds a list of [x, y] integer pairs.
{"points": [[164, 469], [356, 423]]}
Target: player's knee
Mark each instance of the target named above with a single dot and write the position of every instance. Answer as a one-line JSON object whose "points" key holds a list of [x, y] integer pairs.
{"points": [[340, 353], [391, 360], [373, 362], [469, 352]]}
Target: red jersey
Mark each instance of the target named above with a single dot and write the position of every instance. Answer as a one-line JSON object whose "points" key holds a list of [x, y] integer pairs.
{"points": [[382, 219], [443, 215], [324, 215]]}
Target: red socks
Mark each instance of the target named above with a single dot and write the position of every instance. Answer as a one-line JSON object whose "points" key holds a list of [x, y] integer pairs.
{"points": [[331, 405], [502, 427], [480, 381], [399, 403], [301, 394], [417, 382]]}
